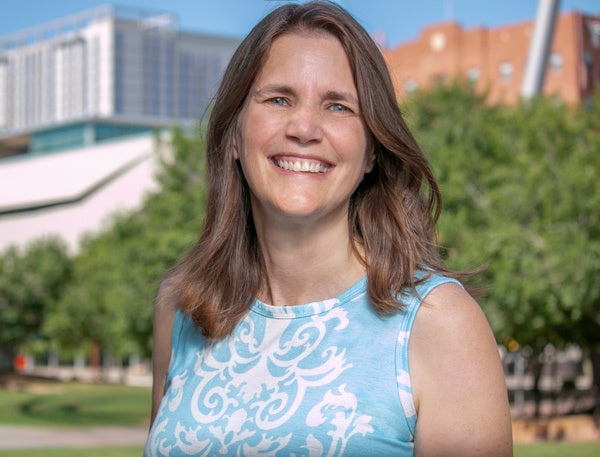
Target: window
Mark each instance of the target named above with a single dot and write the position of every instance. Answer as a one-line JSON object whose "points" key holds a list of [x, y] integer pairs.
{"points": [[4, 84], [588, 62], [473, 74], [506, 70], [555, 62], [120, 59], [410, 86], [594, 32]]}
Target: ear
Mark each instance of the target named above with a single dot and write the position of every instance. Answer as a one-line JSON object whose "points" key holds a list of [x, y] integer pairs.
{"points": [[370, 160], [236, 154]]}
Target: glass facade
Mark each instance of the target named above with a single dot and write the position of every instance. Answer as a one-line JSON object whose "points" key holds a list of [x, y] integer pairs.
{"points": [[67, 137], [104, 132], [159, 76], [80, 135], [119, 72]]}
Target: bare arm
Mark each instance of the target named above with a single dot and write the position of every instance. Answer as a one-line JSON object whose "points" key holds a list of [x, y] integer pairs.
{"points": [[164, 313], [458, 381]]}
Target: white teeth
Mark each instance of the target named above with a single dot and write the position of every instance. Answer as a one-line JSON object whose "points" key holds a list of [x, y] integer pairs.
{"points": [[302, 165]]}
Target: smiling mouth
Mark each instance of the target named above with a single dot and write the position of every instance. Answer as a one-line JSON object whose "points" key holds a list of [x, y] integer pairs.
{"points": [[305, 166]]}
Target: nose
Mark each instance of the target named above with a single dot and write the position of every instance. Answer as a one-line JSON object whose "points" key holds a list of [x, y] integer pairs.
{"points": [[305, 124]]}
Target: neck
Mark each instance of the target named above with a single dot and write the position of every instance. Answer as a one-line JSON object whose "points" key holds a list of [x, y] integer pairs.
{"points": [[307, 264]]}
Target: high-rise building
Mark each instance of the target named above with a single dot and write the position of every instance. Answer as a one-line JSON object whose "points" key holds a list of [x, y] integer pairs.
{"points": [[79, 99], [494, 59], [103, 73]]}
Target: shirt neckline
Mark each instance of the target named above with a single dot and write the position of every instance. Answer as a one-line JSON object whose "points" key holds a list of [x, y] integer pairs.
{"points": [[355, 291]]}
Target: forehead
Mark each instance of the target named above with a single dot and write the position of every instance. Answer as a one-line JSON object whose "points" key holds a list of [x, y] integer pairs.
{"points": [[307, 35], [313, 52]]}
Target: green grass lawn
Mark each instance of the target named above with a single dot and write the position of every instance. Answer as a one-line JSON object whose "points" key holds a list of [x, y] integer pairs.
{"points": [[88, 405], [528, 450], [76, 452], [75, 405], [552, 449]]}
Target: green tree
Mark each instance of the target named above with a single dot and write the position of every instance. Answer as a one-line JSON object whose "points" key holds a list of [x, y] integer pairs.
{"points": [[31, 279], [521, 195]]}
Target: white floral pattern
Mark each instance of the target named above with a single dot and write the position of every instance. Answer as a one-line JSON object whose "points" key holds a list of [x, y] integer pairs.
{"points": [[295, 381]]}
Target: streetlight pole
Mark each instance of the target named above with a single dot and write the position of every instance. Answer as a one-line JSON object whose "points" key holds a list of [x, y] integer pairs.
{"points": [[539, 48]]}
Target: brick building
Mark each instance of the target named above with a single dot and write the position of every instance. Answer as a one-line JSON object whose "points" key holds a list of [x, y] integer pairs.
{"points": [[494, 59]]}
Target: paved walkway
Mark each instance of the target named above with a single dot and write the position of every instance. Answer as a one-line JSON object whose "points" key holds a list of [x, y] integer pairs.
{"points": [[13, 437]]}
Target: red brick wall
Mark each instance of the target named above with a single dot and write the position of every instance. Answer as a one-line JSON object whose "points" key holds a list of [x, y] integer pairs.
{"points": [[446, 50]]}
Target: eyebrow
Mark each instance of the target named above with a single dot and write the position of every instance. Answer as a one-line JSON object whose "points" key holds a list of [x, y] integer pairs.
{"points": [[340, 96], [333, 95], [275, 88]]}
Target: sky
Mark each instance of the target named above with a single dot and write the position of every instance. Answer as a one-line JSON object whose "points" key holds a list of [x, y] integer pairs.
{"points": [[395, 20]]}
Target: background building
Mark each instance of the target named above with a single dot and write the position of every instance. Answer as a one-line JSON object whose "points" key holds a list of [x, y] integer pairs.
{"points": [[79, 98], [101, 74], [495, 59]]}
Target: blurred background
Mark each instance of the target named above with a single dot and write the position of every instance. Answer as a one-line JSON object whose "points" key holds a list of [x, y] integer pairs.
{"points": [[102, 114]]}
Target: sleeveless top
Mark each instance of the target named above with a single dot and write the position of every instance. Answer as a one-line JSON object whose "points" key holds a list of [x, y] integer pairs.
{"points": [[329, 378]]}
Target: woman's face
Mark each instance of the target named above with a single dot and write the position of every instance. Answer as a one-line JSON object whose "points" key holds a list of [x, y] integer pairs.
{"points": [[304, 146]]}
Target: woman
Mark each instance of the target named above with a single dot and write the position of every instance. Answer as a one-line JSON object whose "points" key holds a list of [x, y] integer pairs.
{"points": [[313, 316]]}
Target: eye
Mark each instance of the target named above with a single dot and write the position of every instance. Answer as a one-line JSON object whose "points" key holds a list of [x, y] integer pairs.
{"points": [[280, 101], [339, 108]]}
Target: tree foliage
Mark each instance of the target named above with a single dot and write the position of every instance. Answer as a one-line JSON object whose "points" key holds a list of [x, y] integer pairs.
{"points": [[31, 279], [521, 195]]}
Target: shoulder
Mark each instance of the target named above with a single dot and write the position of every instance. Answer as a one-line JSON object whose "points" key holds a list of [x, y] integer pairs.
{"points": [[448, 306], [449, 331], [164, 311], [164, 317], [166, 298], [457, 377]]}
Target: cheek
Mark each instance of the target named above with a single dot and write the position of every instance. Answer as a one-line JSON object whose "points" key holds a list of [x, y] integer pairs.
{"points": [[357, 139], [241, 135], [248, 135]]}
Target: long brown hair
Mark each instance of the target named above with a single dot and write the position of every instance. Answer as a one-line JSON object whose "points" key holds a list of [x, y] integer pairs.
{"points": [[392, 213]]}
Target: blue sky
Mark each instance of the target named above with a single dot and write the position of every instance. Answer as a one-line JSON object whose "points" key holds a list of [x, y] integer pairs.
{"points": [[398, 20]]}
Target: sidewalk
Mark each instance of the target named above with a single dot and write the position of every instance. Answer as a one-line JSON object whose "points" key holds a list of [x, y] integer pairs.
{"points": [[13, 437]]}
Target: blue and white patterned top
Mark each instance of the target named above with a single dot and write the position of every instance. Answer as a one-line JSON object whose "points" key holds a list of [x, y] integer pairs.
{"points": [[328, 378]]}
